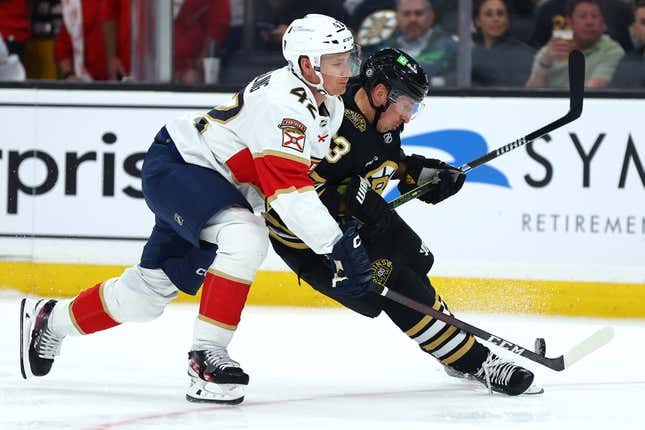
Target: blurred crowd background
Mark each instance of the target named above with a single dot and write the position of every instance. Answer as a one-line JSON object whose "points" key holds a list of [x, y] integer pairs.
{"points": [[460, 43]]}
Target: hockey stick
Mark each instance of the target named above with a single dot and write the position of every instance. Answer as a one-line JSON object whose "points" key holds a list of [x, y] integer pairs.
{"points": [[581, 350], [576, 95]]}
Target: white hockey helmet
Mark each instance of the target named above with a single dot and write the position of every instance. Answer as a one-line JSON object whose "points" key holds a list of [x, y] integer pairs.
{"points": [[317, 35]]}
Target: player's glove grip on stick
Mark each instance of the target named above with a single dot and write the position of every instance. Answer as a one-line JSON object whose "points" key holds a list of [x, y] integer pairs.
{"points": [[366, 205], [419, 170], [350, 263]]}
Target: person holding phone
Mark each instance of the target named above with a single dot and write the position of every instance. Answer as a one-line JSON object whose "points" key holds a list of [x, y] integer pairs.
{"points": [[585, 20]]}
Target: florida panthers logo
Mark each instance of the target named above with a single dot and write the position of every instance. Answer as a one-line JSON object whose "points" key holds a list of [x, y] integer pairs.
{"points": [[293, 134]]}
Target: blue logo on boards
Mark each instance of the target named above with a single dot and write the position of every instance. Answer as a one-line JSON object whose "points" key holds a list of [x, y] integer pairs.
{"points": [[464, 146]]}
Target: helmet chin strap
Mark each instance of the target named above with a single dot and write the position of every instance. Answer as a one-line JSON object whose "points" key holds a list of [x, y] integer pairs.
{"points": [[319, 86], [378, 109]]}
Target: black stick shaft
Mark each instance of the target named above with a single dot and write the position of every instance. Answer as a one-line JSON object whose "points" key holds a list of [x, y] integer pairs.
{"points": [[576, 96], [552, 363]]}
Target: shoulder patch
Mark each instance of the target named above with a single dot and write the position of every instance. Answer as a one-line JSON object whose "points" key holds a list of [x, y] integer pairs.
{"points": [[356, 119], [292, 123], [293, 134]]}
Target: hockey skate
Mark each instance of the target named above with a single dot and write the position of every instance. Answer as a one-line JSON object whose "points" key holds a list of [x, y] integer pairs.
{"points": [[503, 376], [452, 372], [38, 344], [215, 378]]}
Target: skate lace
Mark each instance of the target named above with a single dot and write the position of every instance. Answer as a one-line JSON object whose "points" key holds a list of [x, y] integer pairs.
{"points": [[496, 370], [219, 358], [48, 344]]}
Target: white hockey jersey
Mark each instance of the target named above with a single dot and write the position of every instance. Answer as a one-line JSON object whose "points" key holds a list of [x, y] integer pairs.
{"points": [[265, 143]]}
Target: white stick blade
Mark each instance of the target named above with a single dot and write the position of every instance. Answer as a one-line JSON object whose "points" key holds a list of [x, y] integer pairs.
{"points": [[600, 338]]}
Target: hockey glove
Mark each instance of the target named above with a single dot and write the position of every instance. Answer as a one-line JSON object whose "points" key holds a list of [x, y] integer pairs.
{"points": [[350, 264], [419, 170], [366, 205]]}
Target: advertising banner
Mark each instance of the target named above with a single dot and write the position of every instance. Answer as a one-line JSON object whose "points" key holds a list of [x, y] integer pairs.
{"points": [[570, 206]]}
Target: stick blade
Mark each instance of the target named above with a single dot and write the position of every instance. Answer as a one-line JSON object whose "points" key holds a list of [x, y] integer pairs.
{"points": [[576, 82], [597, 340]]}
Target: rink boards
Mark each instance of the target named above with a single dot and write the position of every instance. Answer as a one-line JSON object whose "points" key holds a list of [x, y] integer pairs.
{"points": [[555, 227]]}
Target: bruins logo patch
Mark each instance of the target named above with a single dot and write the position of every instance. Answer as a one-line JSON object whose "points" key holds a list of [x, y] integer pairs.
{"points": [[356, 119], [382, 269]]}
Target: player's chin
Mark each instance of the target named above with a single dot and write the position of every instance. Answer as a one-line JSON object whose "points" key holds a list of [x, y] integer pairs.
{"points": [[337, 87]]}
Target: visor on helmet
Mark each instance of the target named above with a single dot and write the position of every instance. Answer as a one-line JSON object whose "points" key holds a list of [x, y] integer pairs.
{"points": [[342, 64], [404, 104]]}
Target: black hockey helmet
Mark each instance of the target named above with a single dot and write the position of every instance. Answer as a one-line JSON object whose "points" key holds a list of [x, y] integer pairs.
{"points": [[398, 71]]}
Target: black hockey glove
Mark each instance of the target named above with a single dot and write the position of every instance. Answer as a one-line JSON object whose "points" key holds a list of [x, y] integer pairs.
{"points": [[350, 264], [366, 205], [419, 170]]}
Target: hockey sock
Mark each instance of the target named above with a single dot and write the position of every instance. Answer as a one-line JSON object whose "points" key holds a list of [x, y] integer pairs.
{"points": [[89, 313], [446, 343], [223, 298]]}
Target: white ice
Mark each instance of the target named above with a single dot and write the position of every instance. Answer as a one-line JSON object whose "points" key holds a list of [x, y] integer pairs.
{"points": [[318, 369]]}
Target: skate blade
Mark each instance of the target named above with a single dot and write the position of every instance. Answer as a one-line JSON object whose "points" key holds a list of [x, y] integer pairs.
{"points": [[217, 401], [26, 316], [533, 390], [206, 392]]}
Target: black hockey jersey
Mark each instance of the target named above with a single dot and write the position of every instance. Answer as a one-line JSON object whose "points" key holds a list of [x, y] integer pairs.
{"points": [[357, 149]]}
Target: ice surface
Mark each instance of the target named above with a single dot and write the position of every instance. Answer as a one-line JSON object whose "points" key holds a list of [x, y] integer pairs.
{"points": [[318, 369]]}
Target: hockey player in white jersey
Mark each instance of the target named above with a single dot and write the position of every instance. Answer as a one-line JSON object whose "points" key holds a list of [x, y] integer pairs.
{"points": [[206, 177]]}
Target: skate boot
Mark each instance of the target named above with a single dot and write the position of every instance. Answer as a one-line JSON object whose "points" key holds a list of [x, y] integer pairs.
{"points": [[38, 344], [215, 378], [454, 373], [503, 376]]}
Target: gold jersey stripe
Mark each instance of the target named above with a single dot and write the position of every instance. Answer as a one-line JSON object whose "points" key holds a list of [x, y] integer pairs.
{"points": [[441, 339], [295, 245], [217, 323], [460, 352], [289, 190], [274, 222], [318, 180], [280, 154]]}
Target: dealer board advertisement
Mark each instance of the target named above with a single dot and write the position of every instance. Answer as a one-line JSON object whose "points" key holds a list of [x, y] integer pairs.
{"points": [[571, 205]]}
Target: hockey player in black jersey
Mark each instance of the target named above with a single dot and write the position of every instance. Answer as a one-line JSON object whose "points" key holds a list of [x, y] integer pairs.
{"points": [[364, 155]]}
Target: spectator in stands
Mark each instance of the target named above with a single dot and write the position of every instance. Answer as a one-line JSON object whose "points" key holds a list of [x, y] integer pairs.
{"points": [[14, 25], [80, 49], [11, 68], [417, 35], [550, 16], [602, 53], [116, 25], [235, 36], [273, 17], [630, 72], [522, 14], [46, 20], [200, 27], [498, 58]]}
